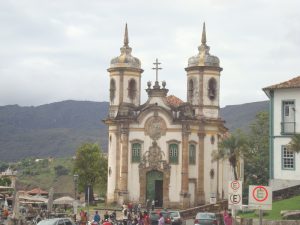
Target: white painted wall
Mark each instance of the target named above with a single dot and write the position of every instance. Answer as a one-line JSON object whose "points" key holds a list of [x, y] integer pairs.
{"points": [[111, 181], [280, 140]]}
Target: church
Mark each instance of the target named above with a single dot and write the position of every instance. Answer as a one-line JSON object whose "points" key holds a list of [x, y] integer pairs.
{"points": [[161, 150]]}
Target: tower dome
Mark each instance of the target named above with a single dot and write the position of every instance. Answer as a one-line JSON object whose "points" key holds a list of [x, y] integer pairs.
{"points": [[125, 59], [204, 58]]}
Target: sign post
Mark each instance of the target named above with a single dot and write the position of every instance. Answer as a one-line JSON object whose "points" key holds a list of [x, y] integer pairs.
{"points": [[260, 197], [235, 196]]}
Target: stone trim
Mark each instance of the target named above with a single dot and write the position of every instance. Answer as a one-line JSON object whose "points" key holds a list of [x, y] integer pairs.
{"points": [[173, 141], [148, 164], [200, 187]]}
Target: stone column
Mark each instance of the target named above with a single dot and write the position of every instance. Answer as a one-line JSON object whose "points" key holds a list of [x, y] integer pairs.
{"points": [[185, 196], [200, 186], [124, 164]]}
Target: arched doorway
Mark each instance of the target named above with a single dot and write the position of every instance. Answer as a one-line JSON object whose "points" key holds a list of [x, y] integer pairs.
{"points": [[154, 187]]}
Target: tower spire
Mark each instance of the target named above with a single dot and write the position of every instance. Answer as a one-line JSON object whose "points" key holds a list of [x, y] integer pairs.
{"points": [[126, 40], [203, 40]]}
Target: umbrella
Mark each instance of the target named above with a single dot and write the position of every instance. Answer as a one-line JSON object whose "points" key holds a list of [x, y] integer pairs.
{"points": [[66, 200]]}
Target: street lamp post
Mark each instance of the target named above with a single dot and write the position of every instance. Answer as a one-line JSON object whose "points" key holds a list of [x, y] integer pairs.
{"points": [[75, 179]]}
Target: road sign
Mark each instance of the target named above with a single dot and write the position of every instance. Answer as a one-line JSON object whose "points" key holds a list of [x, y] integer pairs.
{"points": [[235, 194], [260, 197]]}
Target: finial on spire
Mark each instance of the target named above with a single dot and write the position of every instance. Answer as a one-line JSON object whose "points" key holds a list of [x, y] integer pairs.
{"points": [[203, 40], [126, 40]]}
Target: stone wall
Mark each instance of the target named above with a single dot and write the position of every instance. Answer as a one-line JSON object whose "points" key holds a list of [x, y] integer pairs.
{"points": [[267, 222], [286, 193]]}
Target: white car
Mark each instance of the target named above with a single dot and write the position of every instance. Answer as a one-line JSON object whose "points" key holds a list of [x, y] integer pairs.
{"points": [[56, 221]]}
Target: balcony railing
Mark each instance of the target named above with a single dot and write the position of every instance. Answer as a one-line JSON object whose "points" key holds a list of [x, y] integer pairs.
{"points": [[288, 127]]}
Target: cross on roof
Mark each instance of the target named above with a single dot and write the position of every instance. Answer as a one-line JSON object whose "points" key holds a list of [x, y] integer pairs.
{"points": [[156, 68]]}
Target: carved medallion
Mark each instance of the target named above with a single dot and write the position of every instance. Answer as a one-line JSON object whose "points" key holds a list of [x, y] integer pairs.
{"points": [[155, 127]]}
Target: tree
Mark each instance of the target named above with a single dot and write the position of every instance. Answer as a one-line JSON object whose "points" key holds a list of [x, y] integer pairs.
{"points": [[231, 148], [5, 181], [91, 166], [256, 154], [294, 144]]}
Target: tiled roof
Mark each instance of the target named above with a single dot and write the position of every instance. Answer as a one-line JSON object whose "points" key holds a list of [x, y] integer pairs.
{"points": [[174, 101], [293, 83], [36, 191]]}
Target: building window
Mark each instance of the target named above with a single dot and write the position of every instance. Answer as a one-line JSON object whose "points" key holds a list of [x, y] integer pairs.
{"points": [[288, 123], [212, 88], [132, 89], [191, 89], [112, 89], [173, 153], [136, 152], [192, 154], [287, 158]]}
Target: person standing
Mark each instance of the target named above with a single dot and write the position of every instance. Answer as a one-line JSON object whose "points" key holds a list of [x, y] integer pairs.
{"points": [[146, 218], [161, 220], [97, 217], [152, 205], [227, 217], [125, 214]]}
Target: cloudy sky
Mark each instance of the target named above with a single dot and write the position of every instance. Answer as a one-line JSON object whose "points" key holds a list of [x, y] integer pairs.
{"points": [[56, 50]]}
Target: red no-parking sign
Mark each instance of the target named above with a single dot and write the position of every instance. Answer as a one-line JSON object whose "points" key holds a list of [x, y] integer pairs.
{"points": [[260, 197], [235, 194]]}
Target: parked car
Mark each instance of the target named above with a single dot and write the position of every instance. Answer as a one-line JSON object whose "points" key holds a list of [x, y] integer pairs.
{"points": [[56, 221], [175, 218], [154, 217], [206, 218]]}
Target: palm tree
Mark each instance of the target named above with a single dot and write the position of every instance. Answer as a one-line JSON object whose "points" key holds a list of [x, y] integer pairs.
{"points": [[294, 144], [231, 148]]}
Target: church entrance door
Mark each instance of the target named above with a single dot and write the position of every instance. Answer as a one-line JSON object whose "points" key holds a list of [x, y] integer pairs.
{"points": [[155, 187]]}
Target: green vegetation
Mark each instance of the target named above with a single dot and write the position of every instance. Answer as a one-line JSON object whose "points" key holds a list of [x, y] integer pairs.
{"points": [[43, 173], [278, 206], [294, 144], [253, 147], [91, 166]]}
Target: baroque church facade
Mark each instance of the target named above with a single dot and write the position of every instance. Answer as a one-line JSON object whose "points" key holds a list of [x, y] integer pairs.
{"points": [[162, 149]]}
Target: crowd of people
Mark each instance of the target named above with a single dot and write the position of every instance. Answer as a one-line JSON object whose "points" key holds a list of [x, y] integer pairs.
{"points": [[130, 215]]}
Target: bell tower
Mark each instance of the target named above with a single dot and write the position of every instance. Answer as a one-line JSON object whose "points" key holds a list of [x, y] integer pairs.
{"points": [[203, 81], [125, 80]]}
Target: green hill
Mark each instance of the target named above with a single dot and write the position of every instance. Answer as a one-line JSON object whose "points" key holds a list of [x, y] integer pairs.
{"points": [[57, 129]]}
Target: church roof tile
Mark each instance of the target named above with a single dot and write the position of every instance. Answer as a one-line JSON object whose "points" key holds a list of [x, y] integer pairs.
{"points": [[174, 101]]}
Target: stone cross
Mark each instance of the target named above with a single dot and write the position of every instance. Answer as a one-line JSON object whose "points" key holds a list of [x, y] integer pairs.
{"points": [[156, 68]]}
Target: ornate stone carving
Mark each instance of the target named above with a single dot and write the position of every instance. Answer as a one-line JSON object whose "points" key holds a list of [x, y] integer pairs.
{"points": [[153, 158], [155, 127]]}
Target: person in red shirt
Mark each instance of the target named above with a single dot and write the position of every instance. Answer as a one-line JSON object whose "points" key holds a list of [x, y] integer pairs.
{"points": [[146, 218], [227, 217]]}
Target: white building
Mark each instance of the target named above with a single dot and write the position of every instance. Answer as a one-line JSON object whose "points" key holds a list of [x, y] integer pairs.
{"points": [[161, 150], [284, 123]]}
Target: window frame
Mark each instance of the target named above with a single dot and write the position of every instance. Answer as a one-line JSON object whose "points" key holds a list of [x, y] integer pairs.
{"points": [[192, 157], [136, 152], [212, 88], [132, 89], [112, 89], [174, 158], [288, 157], [284, 104]]}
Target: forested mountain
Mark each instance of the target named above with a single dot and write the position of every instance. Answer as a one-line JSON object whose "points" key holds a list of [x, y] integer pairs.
{"points": [[57, 129]]}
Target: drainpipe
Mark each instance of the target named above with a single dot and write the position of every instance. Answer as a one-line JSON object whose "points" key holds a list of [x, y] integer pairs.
{"points": [[271, 135]]}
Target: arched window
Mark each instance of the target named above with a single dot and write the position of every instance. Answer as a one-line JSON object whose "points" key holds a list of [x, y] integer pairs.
{"points": [[192, 154], [212, 88], [173, 153], [136, 152], [112, 89], [132, 89], [191, 89]]}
